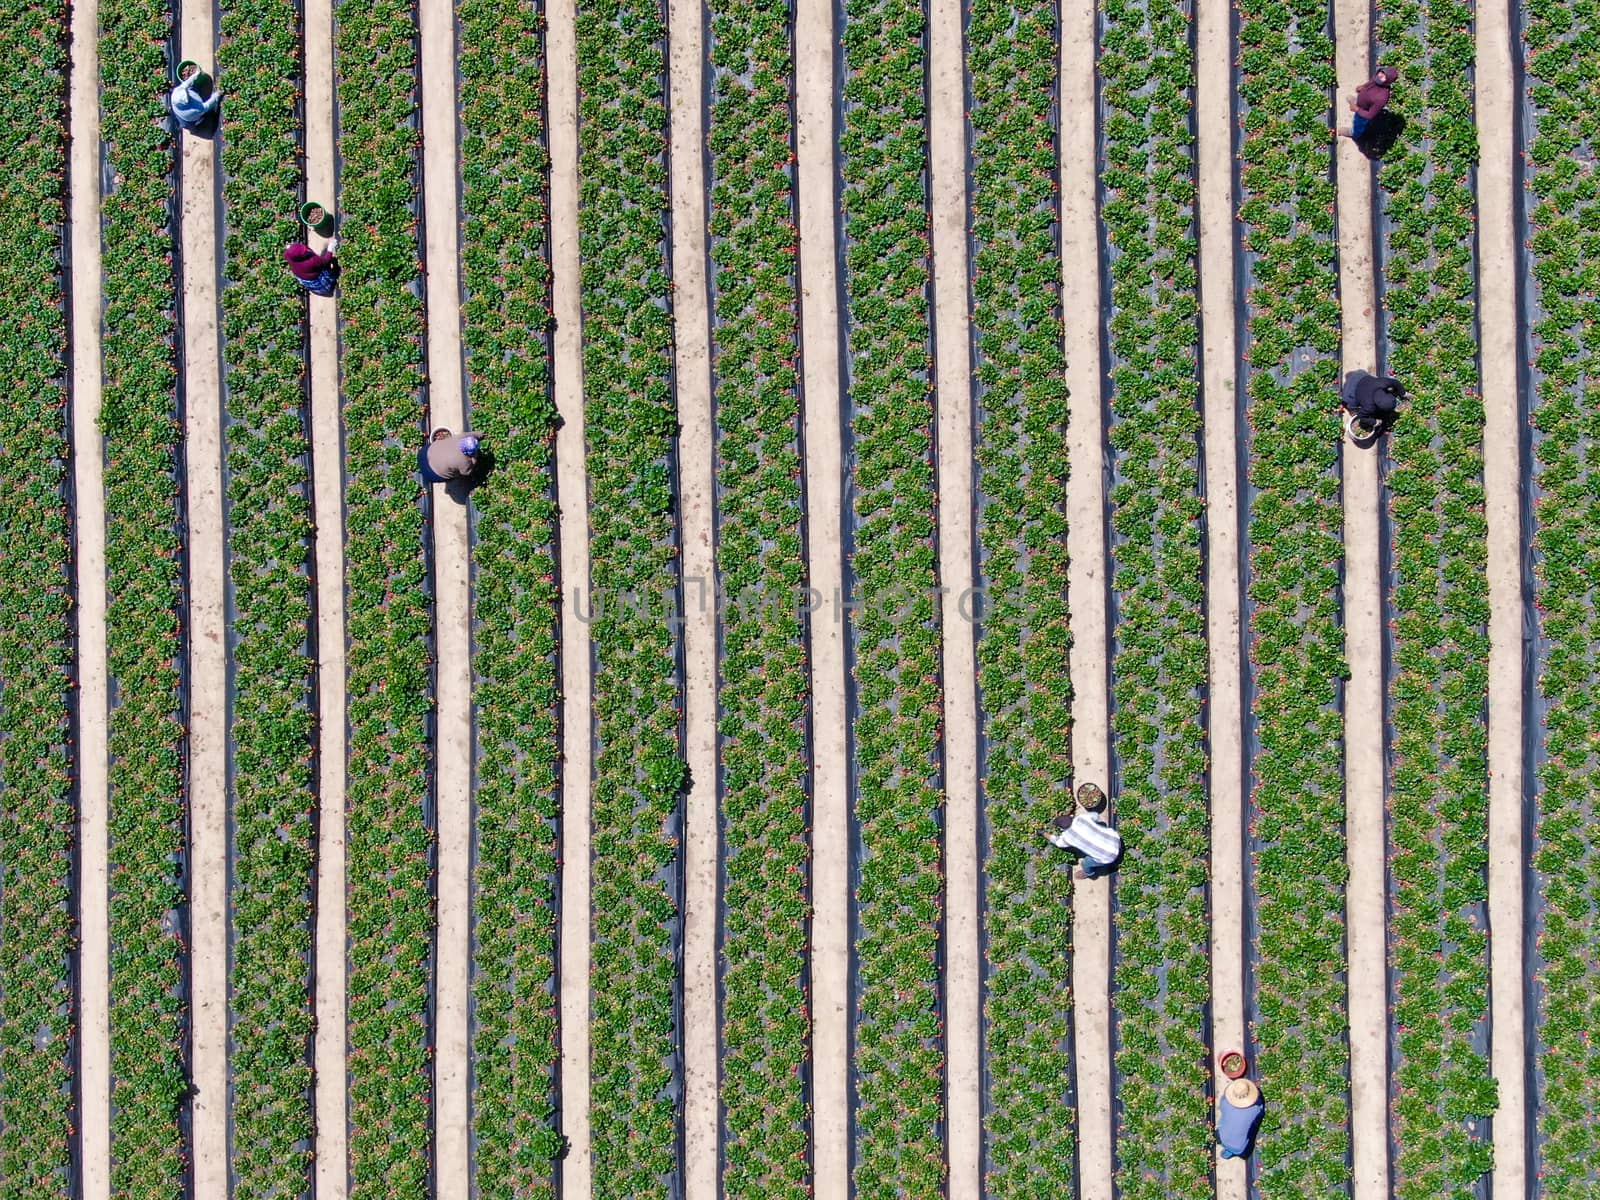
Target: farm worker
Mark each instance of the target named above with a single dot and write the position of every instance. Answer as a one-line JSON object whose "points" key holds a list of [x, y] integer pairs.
{"points": [[1088, 834], [1371, 399], [317, 273], [1369, 100], [1238, 1112], [188, 106], [448, 457]]}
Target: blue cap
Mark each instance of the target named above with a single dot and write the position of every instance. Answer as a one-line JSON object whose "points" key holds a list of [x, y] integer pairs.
{"points": [[469, 445]]}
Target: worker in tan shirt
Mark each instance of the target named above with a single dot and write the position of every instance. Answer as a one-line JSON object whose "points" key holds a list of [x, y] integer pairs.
{"points": [[448, 457]]}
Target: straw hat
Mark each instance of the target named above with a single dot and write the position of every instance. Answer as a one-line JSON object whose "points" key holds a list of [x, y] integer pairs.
{"points": [[1242, 1093]]}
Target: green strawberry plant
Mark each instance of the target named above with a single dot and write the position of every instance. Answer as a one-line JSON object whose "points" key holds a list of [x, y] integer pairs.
{"points": [[273, 731], [1297, 872], [145, 638], [1159, 668], [898, 1034], [764, 680], [505, 326], [630, 423], [1030, 1130], [389, 836], [1438, 786], [1563, 255], [38, 816]]}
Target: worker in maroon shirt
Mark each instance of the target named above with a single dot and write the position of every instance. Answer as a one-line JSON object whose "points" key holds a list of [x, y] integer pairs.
{"points": [[317, 273], [1369, 100]]}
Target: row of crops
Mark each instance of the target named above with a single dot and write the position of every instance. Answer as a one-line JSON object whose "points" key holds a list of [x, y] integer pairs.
{"points": [[893, 645], [1030, 1116], [1563, 75], [268, 518], [37, 810], [763, 679], [1295, 998], [1441, 1089], [1162, 969]]}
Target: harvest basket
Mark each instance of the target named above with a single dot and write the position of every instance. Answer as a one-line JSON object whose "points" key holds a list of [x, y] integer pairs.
{"points": [[190, 70], [1232, 1063], [316, 215], [1090, 797]]}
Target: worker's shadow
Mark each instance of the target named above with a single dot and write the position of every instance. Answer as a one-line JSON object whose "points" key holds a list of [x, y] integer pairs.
{"points": [[1383, 131], [460, 490]]}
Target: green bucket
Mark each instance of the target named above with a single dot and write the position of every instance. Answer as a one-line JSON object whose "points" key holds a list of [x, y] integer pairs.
{"points": [[190, 70], [316, 215]]}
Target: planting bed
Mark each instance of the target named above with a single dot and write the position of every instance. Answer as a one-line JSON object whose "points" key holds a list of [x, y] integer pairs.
{"points": [[37, 811], [1030, 1119], [505, 326], [1563, 298], [1441, 1089], [764, 675], [1158, 671], [545, 1117], [268, 522], [1295, 992], [893, 636]]}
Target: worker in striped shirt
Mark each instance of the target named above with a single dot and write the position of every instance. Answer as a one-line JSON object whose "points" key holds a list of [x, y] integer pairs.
{"points": [[1086, 833]]}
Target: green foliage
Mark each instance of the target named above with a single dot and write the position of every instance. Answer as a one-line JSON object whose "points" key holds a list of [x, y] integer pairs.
{"points": [[37, 813], [506, 322], [630, 421], [899, 1146], [145, 597], [1162, 970], [389, 843], [1563, 73], [269, 527], [1023, 649], [1297, 871], [1438, 792], [765, 681]]}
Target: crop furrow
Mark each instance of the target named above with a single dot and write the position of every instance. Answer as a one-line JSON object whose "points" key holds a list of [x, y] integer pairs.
{"points": [[269, 530], [893, 636], [145, 640], [764, 677], [388, 800], [1297, 1006], [1162, 971], [631, 420], [38, 814], [1031, 1123], [1563, 74], [516, 694], [1438, 790]]}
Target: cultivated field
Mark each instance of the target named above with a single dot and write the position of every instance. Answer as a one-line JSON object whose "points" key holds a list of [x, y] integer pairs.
{"points": [[899, 413]]}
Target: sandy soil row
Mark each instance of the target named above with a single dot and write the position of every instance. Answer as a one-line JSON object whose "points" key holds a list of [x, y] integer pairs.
{"points": [[208, 642], [94, 959], [452, 616], [1364, 628], [1222, 398], [327, 488]]}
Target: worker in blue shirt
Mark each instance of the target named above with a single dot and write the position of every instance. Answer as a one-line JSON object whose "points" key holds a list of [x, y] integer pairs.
{"points": [[188, 106]]}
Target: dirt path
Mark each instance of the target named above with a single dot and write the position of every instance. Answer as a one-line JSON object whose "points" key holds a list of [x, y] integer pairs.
{"points": [[94, 957], [1497, 279], [327, 488], [830, 801], [697, 511], [1224, 635], [1086, 586], [1364, 623], [452, 616], [576, 656], [208, 644], [953, 375]]}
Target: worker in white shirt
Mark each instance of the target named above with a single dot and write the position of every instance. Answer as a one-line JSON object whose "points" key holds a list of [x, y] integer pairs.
{"points": [[1086, 833]]}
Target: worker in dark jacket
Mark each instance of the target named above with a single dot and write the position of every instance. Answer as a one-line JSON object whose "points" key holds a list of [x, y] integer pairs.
{"points": [[1369, 100], [317, 273], [1371, 401], [448, 457]]}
